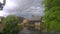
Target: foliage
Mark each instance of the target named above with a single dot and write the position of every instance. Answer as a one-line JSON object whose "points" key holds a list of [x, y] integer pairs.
{"points": [[52, 15], [10, 24]]}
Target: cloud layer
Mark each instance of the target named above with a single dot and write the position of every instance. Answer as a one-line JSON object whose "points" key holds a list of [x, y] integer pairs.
{"points": [[24, 8]]}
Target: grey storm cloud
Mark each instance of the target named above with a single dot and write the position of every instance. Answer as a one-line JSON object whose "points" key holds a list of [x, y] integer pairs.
{"points": [[24, 8]]}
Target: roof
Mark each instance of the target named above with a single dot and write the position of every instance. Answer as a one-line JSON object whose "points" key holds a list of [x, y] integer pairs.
{"points": [[35, 18]]}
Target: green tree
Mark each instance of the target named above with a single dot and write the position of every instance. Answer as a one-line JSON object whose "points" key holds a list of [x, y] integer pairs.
{"points": [[52, 15], [10, 24]]}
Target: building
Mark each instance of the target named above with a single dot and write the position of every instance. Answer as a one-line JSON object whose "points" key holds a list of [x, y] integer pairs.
{"points": [[25, 21], [1, 18], [36, 21], [1, 25]]}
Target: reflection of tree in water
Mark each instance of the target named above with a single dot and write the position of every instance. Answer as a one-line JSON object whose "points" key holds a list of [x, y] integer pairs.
{"points": [[2, 4]]}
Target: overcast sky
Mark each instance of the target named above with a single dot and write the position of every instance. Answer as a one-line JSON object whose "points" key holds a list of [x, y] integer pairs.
{"points": [[25, 8]]}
